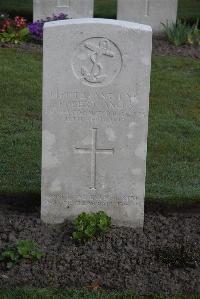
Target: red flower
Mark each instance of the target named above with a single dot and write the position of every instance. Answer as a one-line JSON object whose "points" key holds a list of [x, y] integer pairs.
{"points": [[20, 22], [5, 25]]}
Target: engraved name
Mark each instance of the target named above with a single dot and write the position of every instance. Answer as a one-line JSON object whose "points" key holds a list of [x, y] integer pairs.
{"points": [[97, 200], [97, 106]]}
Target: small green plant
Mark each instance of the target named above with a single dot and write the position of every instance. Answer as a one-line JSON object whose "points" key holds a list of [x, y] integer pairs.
{"points": [[12, 37], [89, 225], [177, 33], [194, 35], [180, 33], [23, 249]]}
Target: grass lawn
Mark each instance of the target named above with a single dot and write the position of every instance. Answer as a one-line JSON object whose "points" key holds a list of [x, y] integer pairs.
{"points": [[173, 146], [103, 8], [77, 294], [20, 126], [173, 165], [189, 9]]}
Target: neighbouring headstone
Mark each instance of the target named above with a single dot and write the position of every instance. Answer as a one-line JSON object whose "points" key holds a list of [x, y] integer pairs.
{"points": [[95, 119], [149, 12], [73, 8]]}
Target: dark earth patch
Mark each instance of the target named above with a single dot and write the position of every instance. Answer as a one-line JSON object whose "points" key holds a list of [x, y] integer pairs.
{"points": [[165, 258], [160, 47], [20, 203]]}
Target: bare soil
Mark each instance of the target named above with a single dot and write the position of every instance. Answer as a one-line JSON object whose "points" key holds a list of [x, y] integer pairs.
{"points": [[162, 47], [164, 258]]}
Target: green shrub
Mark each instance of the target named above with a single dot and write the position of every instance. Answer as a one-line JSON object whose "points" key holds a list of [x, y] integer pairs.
{"points": [[194, 35], [12, 37], [89, 225], [23, 249], [177, 33], [180, 33]]}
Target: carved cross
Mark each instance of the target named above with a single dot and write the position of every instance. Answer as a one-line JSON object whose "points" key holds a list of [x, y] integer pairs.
{"points": [[93, 151], [147, 6]]}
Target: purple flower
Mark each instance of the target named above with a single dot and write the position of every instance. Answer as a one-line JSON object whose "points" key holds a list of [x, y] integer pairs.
{"points": [[36, 28]]}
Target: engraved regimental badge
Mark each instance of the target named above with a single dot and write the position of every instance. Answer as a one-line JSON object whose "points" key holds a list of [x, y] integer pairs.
{"points": [[97, 61]]}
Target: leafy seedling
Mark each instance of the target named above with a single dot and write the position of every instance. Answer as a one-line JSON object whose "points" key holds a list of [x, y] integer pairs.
{"points": [[23, 249], [90, 225]]}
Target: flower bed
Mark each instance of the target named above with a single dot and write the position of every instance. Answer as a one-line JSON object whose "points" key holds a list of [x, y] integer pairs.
{"points": [[18, 30]]}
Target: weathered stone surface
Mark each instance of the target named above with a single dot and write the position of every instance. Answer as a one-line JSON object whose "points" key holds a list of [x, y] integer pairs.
{"points": [[149, 12], [95, 119], [73, 8]]}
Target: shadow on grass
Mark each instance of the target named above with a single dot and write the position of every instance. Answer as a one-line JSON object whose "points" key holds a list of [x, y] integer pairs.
{"points": [[165, 207], [30, 203]]}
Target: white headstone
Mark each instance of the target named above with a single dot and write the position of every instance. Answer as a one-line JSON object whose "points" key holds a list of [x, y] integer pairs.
{"points": [[95, 119], [149, 12], [73, 8]]}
